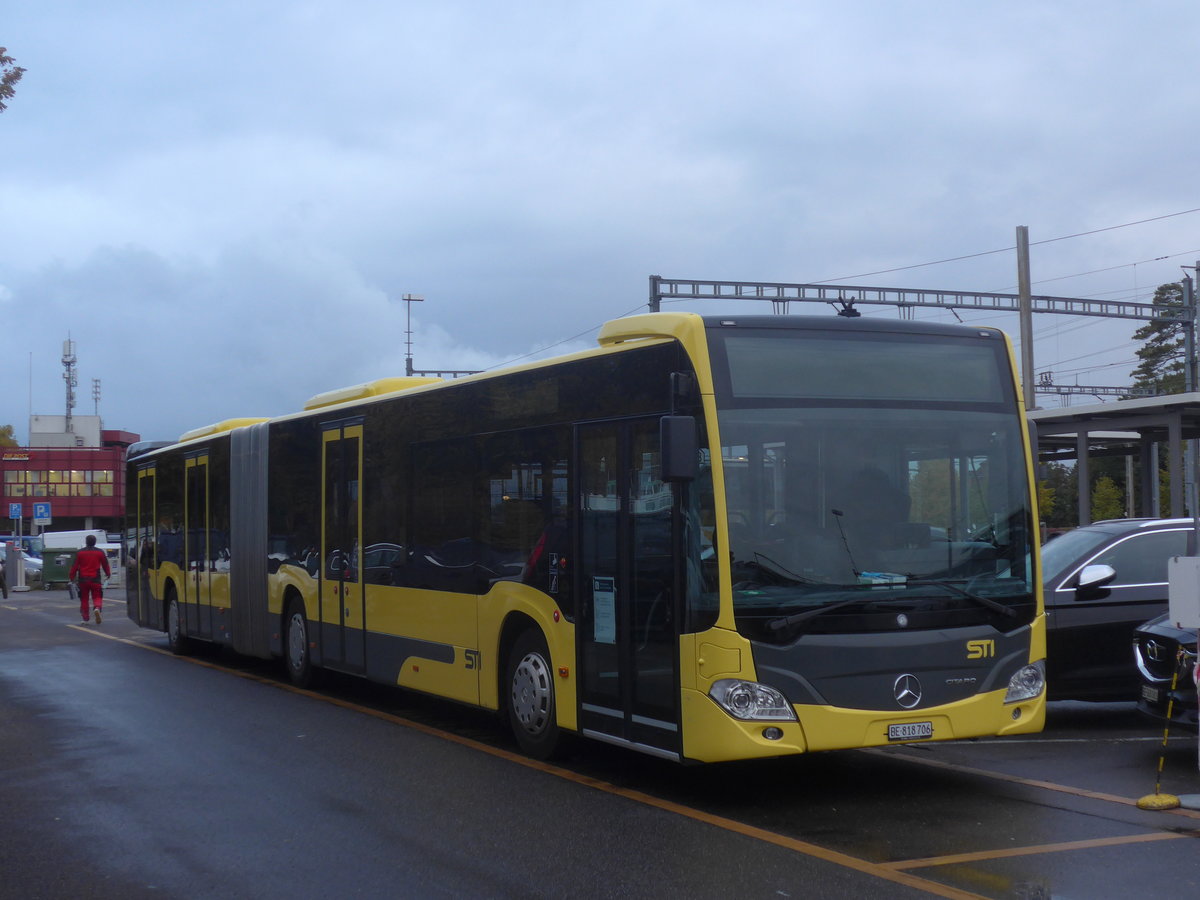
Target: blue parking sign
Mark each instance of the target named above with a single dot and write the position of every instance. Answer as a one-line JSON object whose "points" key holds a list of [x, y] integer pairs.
{"points": [[14, 511], [41, 514]]}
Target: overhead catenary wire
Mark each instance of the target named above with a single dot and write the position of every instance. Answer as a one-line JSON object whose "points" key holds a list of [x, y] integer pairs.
{"points": [[1117, 267], [1009, 249], [967, 256], [1098, 367]]}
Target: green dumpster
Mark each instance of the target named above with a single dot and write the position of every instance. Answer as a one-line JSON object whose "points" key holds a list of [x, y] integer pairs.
{"points": [[56, 565]]}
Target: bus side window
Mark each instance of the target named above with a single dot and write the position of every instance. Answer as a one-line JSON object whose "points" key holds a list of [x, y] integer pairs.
{"points": [[523, 531], [442, 553]]}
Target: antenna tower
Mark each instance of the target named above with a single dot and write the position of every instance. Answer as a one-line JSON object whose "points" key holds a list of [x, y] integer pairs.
{"points": [[69, 376]]}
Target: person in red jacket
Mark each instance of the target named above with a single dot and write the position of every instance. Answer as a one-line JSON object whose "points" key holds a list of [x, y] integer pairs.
{"points": [[89, 563]]}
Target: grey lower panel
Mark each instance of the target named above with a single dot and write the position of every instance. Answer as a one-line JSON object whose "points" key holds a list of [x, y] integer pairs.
{"points": [[387, 654], [860, 671]]}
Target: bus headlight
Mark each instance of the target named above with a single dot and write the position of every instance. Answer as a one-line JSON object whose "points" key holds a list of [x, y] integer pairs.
{"points": [[751, 701], [1028, 682]]}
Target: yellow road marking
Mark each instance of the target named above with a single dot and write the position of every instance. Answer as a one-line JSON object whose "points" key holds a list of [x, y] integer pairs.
{"points": [[832, 856], [1028, 782], [983, 855], [894, 871]]}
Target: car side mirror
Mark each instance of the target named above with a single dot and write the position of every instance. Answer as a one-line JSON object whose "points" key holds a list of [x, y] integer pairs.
{"points": [[1095, 576]]}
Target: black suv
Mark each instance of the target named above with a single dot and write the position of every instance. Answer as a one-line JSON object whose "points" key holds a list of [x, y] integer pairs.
{"points": [[1101, 582], [1156, 650]]}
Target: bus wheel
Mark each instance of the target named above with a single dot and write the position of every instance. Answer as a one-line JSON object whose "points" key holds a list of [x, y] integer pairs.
{"points": [[176, 640], [296, 655], [530, 682]]}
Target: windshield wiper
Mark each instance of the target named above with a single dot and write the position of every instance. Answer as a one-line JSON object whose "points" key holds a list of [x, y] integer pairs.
{"points": [[796, 618], [994, 605]]}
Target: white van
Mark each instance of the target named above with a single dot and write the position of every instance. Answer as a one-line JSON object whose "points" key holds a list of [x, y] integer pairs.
{"points": [[71, 540], [56, 545]]}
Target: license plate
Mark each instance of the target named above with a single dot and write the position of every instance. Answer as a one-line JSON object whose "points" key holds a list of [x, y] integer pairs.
{"points": [[1151, 694], [910, 731]]}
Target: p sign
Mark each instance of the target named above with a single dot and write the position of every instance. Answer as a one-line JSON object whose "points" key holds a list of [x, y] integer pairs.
{"points": [[14, 511], [41, 514]]}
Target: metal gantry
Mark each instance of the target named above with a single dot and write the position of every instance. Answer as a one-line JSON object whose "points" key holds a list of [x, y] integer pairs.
{"points": [[1046, 385], [444, 373], [409, 300], [1093, 390], [780, 295], [846, 296]]}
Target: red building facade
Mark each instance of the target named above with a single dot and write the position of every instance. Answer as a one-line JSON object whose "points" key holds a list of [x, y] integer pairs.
{"points": [[85, 486]]}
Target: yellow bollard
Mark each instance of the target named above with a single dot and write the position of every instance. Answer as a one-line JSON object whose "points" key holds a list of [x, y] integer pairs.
{"points": [[1159, 800]]}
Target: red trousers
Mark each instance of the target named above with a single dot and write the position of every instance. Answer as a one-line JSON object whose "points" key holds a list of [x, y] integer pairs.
{"points": [[86, 590]]}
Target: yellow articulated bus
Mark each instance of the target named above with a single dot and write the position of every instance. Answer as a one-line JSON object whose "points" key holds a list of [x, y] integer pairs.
{"points": [[707, 539]]}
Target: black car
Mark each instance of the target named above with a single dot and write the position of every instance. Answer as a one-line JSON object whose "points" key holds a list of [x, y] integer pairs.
{"points": [[1101, 582], [1156, 650]]}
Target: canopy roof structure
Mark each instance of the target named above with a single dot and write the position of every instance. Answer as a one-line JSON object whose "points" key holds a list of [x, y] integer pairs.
{"points": [[1127, 428]]}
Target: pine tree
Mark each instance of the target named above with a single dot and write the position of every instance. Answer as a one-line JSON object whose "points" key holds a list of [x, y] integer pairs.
{"points": [[1162, 351], [9, 76]]}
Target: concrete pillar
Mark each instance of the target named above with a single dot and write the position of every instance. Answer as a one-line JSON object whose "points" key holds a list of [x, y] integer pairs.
{"points": [[1175, 463], [1084, 477]]}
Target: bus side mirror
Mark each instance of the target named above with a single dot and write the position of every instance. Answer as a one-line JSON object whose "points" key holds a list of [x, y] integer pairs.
{"points": [[677, 442]]}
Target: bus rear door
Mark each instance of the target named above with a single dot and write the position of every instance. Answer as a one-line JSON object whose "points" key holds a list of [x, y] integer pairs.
{"points": [[342, 626], [197, 552], [146, 606]]}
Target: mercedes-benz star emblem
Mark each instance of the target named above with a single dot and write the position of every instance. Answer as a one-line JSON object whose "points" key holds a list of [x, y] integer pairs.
{"points": [[908, 691]]}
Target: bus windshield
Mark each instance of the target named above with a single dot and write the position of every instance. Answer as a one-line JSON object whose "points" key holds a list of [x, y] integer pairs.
{"points": [[902, 503]]}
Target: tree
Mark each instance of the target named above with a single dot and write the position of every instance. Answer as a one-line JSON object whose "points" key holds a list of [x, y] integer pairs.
{"points": [[1162, 353], [6, 437], [1046, 500], [9, 76], [1060, 482], [1107, 501]]}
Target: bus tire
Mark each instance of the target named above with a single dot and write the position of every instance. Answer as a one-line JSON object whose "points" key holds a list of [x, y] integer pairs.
{"points": [[529, 690], [177, 641], [297, 656]]}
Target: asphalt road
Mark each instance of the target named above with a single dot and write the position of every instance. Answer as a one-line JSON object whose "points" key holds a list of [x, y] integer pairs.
{"points": [[131, 773]]}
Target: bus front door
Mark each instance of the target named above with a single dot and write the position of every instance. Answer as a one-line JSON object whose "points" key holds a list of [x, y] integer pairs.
{"points": [[198, 580], [342, 626], [628, 626]]}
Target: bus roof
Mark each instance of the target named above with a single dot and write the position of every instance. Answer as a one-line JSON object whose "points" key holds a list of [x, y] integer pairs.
{"points": [[614, 336]]}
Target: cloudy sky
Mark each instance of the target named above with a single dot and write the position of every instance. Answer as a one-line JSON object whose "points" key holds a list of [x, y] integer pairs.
{"points": [[223, 202]]}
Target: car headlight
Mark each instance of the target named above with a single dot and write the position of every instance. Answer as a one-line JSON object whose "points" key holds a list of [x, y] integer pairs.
{"points": [[1028, 682], [751, 701]]}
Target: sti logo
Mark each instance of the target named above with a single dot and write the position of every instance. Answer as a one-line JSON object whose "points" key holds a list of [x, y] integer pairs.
{"points": [[981, 649]]}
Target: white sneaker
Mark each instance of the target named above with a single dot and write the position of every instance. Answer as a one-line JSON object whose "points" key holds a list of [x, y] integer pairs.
{"points": [[97, 615]]}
